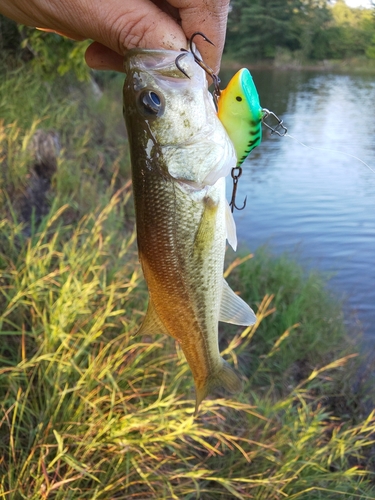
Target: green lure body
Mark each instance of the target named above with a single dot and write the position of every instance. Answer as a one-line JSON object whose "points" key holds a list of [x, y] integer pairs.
{"points": [[241, 114]]}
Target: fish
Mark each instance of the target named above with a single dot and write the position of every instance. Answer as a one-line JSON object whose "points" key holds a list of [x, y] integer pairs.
{"points": [[240, 112], [180, 156]]}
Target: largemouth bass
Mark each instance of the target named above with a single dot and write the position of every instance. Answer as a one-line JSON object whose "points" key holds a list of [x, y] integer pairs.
{"points": [[180, 155]]}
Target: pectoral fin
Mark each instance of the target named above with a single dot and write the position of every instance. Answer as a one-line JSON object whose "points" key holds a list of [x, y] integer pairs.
{"points": [[152, 324], [234, 310], [231, 227]]}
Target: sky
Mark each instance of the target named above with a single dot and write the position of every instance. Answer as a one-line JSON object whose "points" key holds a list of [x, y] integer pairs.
{"points": [[358, 3]]}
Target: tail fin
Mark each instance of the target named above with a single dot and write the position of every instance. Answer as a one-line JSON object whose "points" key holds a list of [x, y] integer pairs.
{"points": [[226, 378]]}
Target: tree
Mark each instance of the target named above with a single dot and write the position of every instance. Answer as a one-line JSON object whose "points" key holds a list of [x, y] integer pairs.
{"points": [[50, 54], [10, 38], [370, 50], [257, 27], [312, 21], [54, 54], [315, 28], [356, 30]]}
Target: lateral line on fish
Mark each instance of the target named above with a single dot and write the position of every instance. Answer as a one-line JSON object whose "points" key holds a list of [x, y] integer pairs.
{"points": [[331, 150]]}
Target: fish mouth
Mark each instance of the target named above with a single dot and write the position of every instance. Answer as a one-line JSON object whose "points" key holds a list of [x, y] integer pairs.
{"points": [[161, 61], [150, 52]]}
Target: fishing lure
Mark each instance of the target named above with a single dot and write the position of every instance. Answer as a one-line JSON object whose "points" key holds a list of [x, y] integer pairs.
{"points": [[240, 112]]}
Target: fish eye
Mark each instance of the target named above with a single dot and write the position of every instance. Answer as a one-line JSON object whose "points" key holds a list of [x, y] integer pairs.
{"points": [[155, 98], [150, 103]]}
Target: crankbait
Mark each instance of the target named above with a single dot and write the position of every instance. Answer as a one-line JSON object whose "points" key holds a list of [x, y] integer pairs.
{"points": [[240, 112]]}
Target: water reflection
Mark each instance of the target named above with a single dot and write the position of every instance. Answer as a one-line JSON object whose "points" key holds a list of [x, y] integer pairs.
{"points": [[320, 201]]}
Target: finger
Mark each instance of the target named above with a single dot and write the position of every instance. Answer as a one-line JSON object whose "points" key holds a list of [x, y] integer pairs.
{"points": [[100, 57], [209, 17], [140, 23], [166, 7], [117, 24]]}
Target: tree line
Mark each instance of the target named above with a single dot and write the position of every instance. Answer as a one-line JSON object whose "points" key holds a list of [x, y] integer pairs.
{"points": [[311, 29]]}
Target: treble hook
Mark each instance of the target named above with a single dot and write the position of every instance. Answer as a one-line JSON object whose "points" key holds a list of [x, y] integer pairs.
{"points": [[199, 61], [178, 64], [235, 178], [236, 171], [216, 80]]}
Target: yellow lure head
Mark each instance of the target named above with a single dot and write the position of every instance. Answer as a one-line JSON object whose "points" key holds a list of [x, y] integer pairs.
{"points": [[240, 112]]}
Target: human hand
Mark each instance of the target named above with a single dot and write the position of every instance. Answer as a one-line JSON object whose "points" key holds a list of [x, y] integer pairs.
{"points": [[118, 25]]}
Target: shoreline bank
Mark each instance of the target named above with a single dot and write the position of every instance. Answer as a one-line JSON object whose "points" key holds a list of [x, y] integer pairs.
{"points": [[349, 66]]}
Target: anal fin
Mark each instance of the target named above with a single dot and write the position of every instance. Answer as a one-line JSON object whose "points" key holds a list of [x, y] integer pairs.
{"points": [[152, 324], [234, 310]]}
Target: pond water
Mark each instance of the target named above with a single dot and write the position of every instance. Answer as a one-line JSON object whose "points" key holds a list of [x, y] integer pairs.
{"points": [[317, 204]]}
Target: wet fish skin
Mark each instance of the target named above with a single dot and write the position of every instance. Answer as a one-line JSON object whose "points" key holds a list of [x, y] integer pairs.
{"points": [[180, 156]]}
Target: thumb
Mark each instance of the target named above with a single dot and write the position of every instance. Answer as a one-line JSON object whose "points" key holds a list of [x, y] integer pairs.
{"points": [[136, 23], [119, 26]]}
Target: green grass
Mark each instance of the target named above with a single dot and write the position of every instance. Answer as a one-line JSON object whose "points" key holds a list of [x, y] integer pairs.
{"points": [[87, 411]]}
